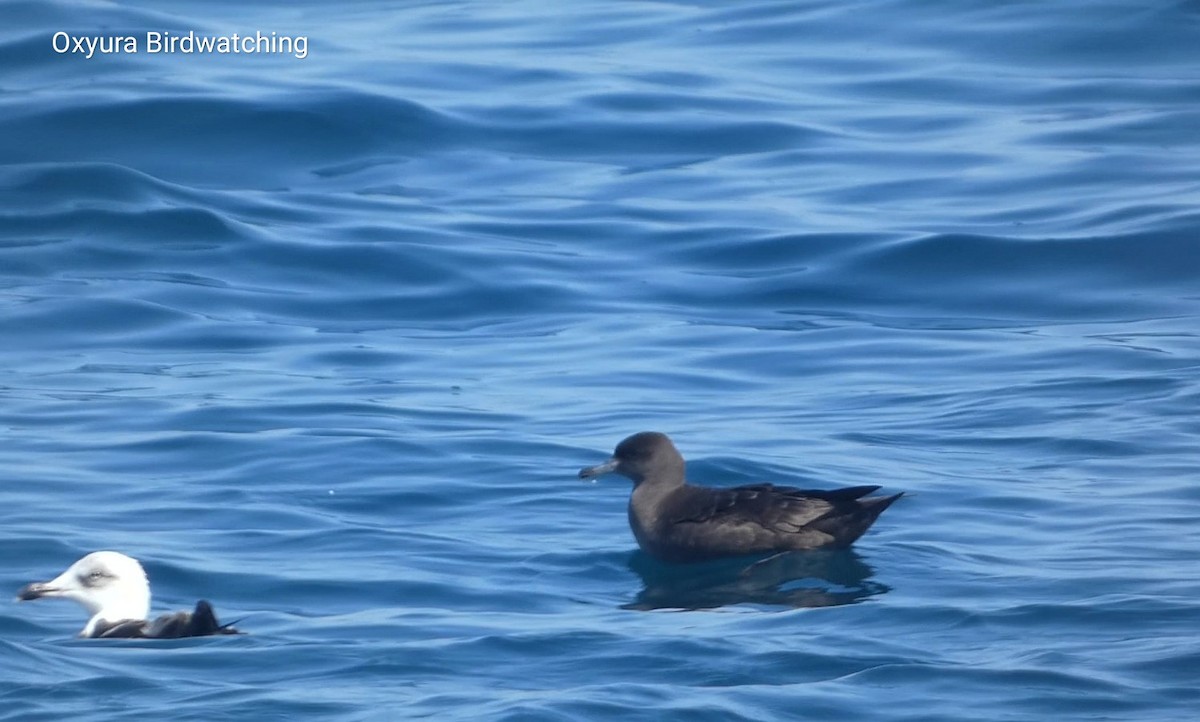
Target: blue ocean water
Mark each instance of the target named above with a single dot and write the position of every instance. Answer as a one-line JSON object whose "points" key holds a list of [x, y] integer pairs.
{"points": [[325, 340]]}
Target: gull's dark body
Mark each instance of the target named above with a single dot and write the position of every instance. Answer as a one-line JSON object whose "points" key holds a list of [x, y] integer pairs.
{"points": [[681, 522], [201, 622]]}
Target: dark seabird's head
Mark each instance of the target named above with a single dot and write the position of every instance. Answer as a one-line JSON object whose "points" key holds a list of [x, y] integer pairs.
{"points": [[110, 586], [645, 455]]}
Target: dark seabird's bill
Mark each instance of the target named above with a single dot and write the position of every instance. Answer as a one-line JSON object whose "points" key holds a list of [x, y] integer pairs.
{"points": [[681, 522], [114, 590], [592, 472]]}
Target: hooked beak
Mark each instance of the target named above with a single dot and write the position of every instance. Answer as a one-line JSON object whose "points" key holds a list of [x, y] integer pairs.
{"points": [[591, 472]]}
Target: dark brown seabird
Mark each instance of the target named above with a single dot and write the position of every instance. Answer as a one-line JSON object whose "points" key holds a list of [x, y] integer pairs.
{"points": [[680, 522], [114, 590]]}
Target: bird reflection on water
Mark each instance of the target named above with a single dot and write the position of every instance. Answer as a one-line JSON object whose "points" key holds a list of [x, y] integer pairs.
{"points": [[823, 578]]}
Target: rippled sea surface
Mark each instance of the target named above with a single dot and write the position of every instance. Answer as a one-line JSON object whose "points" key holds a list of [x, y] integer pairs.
{"points": [[325, 340]]}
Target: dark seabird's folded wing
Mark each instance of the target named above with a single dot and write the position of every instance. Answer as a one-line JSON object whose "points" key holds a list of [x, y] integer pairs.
{"points": [[779, 508], [841, 514]]}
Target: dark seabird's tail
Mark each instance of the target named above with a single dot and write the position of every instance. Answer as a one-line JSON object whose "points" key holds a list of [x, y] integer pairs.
{"points": [[851, 493], [847, 528]]}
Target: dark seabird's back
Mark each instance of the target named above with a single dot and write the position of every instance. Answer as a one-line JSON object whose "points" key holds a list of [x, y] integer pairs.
{"points": [[681, 522], [694, 523]]}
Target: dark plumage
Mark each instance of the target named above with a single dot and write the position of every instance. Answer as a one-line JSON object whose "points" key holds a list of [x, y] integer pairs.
{"points": [[680, 522], [202, 622]]}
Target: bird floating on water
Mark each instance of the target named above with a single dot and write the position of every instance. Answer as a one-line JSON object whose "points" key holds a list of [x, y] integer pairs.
{"points": [[114, 590], [681, 522]]}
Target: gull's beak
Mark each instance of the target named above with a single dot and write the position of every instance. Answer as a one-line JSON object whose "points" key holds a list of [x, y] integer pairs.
{"points": [[591, 472], [61, 586], [37, 590]]}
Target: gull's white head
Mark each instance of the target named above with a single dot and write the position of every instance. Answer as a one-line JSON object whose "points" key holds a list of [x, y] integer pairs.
{"points": [[110, 586]]}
